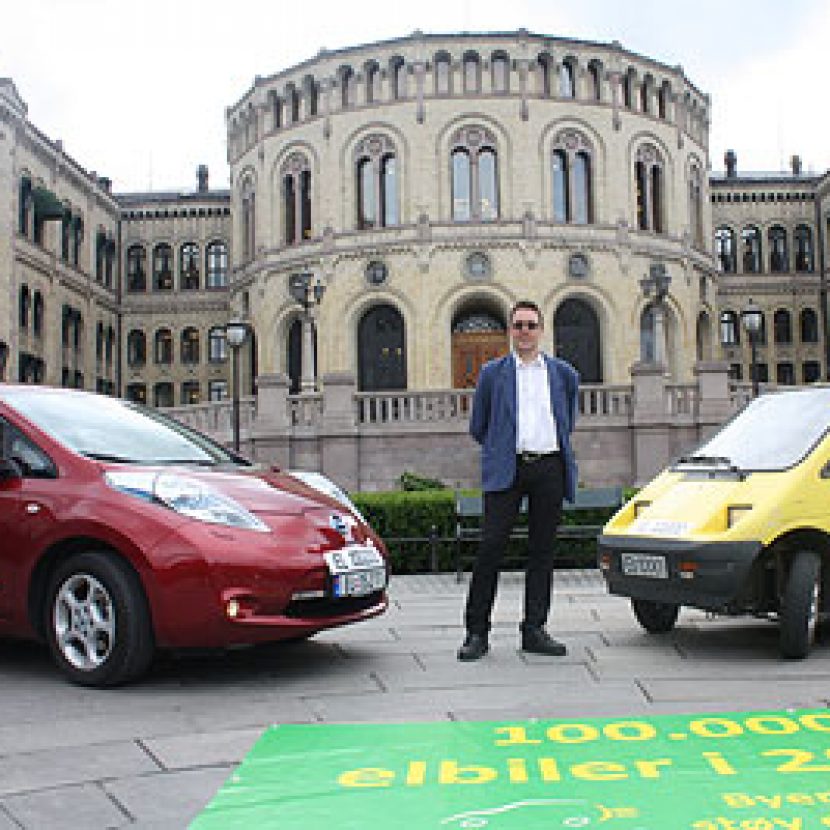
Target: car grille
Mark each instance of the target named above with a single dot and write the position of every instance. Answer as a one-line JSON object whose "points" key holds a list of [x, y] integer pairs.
{"points": [[330, 607]]}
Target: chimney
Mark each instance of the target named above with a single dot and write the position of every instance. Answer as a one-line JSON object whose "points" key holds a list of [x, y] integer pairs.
{"points": [[105, 183], [202, 178], [731, 162], [795, 163]]}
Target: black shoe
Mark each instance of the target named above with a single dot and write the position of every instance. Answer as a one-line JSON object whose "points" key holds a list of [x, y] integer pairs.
{"points": [[538, 641], [474, 648]]}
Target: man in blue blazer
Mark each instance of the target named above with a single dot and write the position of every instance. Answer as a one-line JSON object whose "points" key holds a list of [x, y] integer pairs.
{"points": [[523, 415]]}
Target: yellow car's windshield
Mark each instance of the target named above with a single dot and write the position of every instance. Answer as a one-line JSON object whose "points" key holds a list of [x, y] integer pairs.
{"points": [[774, 432]]}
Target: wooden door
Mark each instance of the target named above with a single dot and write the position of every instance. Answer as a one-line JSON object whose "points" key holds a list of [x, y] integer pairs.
{"points": [[470, 351]]}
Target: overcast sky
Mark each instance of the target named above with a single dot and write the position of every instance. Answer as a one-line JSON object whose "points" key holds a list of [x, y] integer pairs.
{"points": [[137, 90]]}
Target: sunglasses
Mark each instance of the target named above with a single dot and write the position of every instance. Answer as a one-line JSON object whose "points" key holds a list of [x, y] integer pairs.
{"points": [[530, 325]]}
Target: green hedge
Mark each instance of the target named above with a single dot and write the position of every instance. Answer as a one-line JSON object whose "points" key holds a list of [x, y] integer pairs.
{"points": [[405, 520]]}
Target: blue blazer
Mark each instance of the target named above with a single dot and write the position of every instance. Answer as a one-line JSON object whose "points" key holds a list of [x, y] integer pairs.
{"points": [[493, 419]]}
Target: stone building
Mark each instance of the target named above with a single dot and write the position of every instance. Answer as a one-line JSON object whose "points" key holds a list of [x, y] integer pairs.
{"points": [[124, 294], [388, 204], [429, 182]]}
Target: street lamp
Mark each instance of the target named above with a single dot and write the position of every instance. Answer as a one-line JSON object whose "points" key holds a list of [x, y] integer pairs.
{"points": [[236, 333], [752, 318], [656, 284], [308, 292]]}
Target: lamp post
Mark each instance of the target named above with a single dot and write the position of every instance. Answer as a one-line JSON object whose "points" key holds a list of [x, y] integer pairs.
{"points": [[236, 333], [753, 318], [308, 292], [656, 284]]}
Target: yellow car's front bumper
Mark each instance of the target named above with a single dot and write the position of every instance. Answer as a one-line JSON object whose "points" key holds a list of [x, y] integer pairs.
{"points": [[708, 575]]}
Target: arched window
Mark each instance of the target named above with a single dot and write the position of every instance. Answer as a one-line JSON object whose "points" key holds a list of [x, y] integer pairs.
{"points": [[663, 98], [310, 93], [248, 220], [189, 266], [37, 314], [648, 176], [216, 264], [163, 347], [100, 255], [751, 238], [381, 350], [595, 76], [292, 98], [296, 197], [217, 345], [347, 87], [809, 326], [475, 186], [567, 78], [443, 63], [696, 205], [372, 73], [377, 183], [163, 267], [500, 72], [99, 342], [782, 330], [24, 306], [730, 334], [163, 394], [577, 338], [571, 178], [561, 192], [543, 69], [461, 196], [628, 81], [725, 249], [77, 239], [190, 345], [472, 73], [645, 94], [137, 393], [803, 249], [276, 110], [779, 261], [397, 79], [24, 203]]}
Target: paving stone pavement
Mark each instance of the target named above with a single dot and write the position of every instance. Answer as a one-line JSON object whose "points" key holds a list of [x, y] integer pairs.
{"points": [[153, 754]]}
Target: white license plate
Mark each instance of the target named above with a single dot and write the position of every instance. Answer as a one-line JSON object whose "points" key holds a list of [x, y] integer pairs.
{"points": [[359, 583], [353, 558], [357, 570], [641, 564]]}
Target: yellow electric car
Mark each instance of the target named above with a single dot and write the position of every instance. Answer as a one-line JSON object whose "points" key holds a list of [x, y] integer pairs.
{"points": [[739, 526]]}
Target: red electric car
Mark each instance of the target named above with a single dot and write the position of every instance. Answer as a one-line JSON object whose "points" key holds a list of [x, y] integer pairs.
{"points": [[122, 531]]}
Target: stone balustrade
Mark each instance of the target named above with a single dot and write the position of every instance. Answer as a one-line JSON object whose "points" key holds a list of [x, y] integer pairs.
{"points": [[625, 433]]}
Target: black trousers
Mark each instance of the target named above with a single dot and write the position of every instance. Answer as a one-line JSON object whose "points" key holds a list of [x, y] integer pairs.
{"points": [[542, 481]]}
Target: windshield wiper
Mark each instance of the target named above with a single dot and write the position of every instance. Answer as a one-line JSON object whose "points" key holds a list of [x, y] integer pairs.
{"points": [[103, 456], [199, 462], [719, 460]]}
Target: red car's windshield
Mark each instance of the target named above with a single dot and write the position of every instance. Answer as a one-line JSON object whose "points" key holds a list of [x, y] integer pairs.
{"points": [[110, 429]]}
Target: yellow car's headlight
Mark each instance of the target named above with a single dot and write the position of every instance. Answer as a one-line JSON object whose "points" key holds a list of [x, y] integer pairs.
{"points": [[736, 512]]}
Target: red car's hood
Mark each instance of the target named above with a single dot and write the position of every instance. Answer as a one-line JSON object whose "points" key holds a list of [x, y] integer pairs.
{"points": [[259, 492]]}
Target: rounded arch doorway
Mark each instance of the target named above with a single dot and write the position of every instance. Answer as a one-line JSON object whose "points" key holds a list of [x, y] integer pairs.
{"points": [[381, 350], [479, 333], [577, 339]]}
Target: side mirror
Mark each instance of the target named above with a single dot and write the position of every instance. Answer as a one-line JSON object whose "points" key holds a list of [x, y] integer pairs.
{"points": [[9, 470]]}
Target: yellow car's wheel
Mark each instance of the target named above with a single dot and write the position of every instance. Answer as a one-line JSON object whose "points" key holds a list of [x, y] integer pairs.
{"points": [[655, 617], [800, 605]]}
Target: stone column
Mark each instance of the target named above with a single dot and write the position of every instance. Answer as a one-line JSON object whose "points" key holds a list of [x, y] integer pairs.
{"points": [[339, 451], [714, 401], [650, 425], [270, 437]]}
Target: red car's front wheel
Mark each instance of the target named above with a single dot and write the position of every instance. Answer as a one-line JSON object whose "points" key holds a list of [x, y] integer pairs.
{"points": [[97, 620]]}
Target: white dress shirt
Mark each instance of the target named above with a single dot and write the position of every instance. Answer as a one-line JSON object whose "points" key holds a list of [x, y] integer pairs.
{"points": [[536, 425]]}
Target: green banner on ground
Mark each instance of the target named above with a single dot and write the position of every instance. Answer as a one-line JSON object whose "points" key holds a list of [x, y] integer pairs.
{"points": [[733, 771]]}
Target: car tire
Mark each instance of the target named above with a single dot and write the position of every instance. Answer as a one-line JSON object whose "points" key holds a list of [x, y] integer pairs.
{"points": [[800, 605], [655, 617], [97, 619]]}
